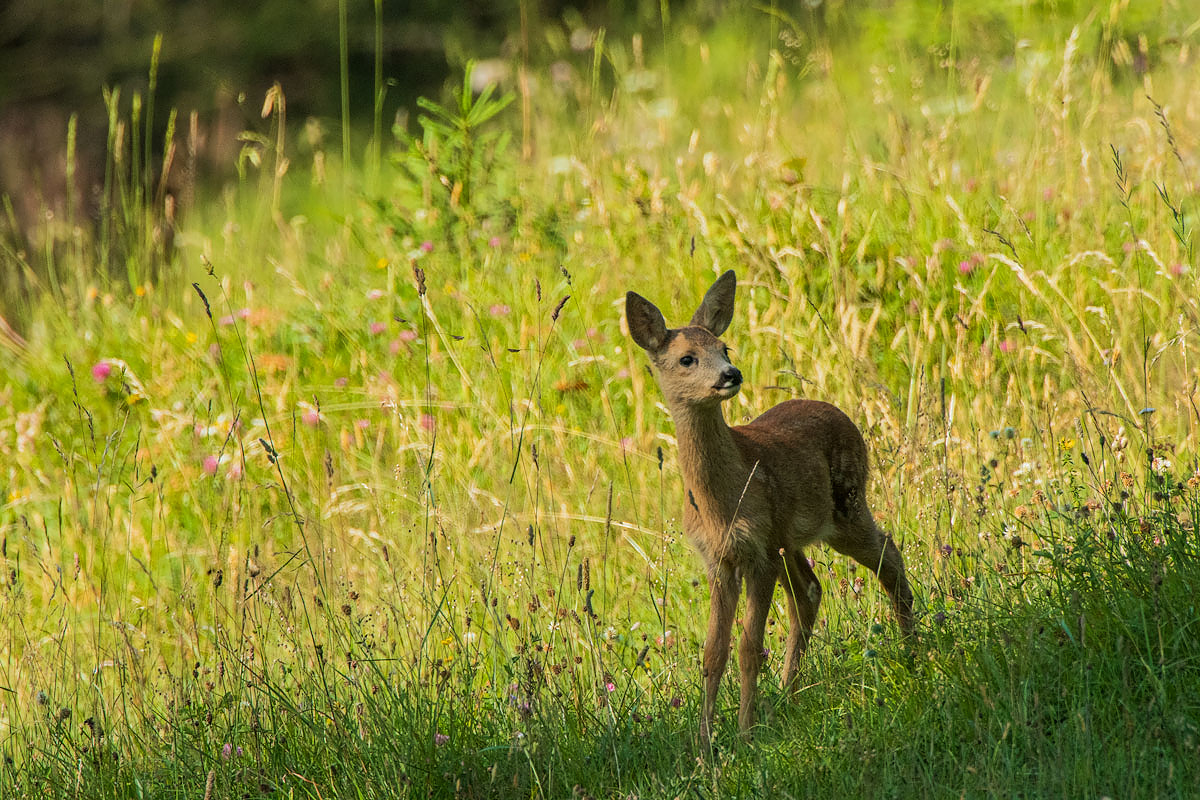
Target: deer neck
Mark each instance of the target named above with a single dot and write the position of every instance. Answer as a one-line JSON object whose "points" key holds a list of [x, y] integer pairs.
{"points": [[712, 468]]}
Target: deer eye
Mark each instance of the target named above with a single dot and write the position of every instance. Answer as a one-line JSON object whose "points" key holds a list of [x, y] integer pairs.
{"points": [[686, 361]]}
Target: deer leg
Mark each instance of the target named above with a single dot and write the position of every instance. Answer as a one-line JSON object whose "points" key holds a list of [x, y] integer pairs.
{"points": [[760, 587], [861, 539], [804, 597], [724, 588]]}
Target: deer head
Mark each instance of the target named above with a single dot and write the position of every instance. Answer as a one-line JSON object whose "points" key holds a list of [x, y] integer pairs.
{"points": [[691, 363]]}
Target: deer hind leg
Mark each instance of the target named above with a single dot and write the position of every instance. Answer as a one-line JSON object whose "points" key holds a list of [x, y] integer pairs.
{"points": [[724, 588], [860, 538], [804, 598], [760, 587]]}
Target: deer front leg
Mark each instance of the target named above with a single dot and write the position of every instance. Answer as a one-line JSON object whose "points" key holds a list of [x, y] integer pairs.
{"points": [[723, 586], [804, 597], [760, 586]]}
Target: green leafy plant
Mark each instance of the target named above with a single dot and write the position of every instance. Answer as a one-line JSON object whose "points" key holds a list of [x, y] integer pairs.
{"points": [[455, 160]]}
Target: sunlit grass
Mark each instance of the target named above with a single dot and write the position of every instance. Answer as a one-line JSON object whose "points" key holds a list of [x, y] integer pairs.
{"points": [[372, 495]]}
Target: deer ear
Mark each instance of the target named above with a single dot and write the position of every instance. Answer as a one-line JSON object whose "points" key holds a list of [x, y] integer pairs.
{"points": [[716, 310], [646, 323]]}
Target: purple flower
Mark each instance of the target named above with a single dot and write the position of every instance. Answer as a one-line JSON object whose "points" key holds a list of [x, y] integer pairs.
{"points": [[440, 738]]}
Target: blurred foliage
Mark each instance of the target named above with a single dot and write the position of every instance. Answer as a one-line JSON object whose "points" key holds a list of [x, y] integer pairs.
{"points": [[68, 50]]}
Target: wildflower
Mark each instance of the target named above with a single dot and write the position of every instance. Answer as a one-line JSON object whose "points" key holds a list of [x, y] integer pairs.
{"points": [[965, 267], [676, 701], [499, 310], [101, 370], [1066, 443], [1006, 346], [378, 328], [382, 263], [375, 294], [408, 335], [210, 464], [310, 416], [440, 738], [427, 422], [610, 687], [427, 246], [1160, 465], [494, 241], [228, 751], [947, 550]]}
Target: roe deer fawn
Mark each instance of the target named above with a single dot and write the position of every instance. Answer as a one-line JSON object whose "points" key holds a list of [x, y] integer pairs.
{"points": [[757, 494]]}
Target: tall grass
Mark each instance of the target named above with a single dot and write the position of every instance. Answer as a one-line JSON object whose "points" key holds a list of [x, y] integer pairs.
{"points": [[370, 497]]}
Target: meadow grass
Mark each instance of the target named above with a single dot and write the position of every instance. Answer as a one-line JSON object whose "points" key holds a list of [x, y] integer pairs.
{"points": [[369, 495]]}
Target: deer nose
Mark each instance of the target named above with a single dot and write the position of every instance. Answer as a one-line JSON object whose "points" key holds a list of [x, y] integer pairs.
{"points": [[730, 376]]}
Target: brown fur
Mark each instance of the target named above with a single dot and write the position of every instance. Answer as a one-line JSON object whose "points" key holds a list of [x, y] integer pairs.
{"points": [[757, 494]]}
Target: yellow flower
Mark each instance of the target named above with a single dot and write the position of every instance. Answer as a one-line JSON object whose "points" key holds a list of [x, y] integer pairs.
{"points": [[1066, 444], [190, 337], [381, 263]]}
